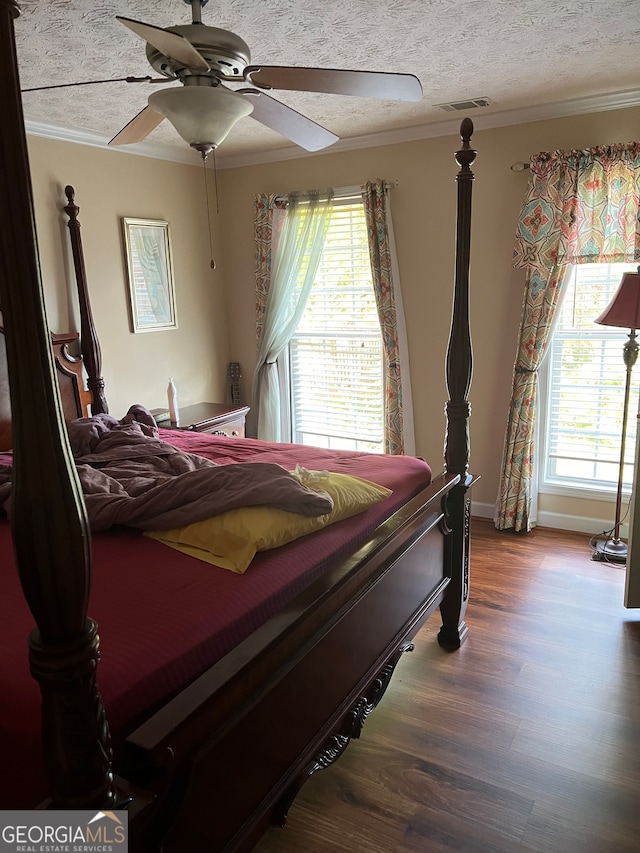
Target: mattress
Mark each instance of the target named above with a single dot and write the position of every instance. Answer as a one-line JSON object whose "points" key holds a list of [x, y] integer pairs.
{"points": [[165, 617]]}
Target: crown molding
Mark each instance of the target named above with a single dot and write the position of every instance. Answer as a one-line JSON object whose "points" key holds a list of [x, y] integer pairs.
{"points": [[100, 140], [482, 120], [448, 127]]}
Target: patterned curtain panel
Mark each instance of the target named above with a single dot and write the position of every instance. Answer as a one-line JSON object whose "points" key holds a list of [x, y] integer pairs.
{"points": [[375, 205], [264, 206], [580, 207], [542, 294]]}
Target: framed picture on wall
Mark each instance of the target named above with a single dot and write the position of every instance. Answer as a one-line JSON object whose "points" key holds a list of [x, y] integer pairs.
{"points": [[150, 275]]}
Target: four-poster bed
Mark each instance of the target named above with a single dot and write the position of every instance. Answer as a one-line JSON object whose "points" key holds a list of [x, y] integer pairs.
{"points": [[224, 741]]}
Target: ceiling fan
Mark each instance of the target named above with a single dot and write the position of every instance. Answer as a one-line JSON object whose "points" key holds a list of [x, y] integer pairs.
{"points": [[203, 109]]}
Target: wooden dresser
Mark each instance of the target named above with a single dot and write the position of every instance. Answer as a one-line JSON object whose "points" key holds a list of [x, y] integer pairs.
{"points": [[214, 418]]}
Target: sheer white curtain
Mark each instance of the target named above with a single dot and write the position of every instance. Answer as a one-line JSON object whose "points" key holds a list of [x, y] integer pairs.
{"points": [[294, 268]]}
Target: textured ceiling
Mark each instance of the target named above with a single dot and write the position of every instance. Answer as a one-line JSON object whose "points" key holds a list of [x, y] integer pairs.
{"points": [[522, 54]]}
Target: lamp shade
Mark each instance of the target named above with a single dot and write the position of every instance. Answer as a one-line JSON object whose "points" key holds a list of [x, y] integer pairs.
{"points": [[202, 115], [624, 308]]}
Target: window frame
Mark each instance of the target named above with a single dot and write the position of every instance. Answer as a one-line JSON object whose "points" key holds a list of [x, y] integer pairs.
{"points": [[572, 488], [348, 198]]}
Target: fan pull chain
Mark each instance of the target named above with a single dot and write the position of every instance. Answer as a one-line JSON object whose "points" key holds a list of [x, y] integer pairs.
{"points": [[206, 190], [215, 180]]}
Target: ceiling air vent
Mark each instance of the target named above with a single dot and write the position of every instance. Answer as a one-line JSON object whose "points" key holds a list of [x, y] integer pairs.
{"points": [[471, 104]]}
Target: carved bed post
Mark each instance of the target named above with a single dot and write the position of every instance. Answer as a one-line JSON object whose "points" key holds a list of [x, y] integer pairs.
{"points": [[49, 525], [89, 344], [459, 367]]}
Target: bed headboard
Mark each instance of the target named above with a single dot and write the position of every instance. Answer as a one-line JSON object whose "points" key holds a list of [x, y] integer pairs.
{"points": [[89, 343], [80, 383], [68, 369]]}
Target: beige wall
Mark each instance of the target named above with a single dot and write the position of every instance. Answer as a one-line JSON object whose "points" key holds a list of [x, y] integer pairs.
{"points": [[216, 310], [110, 185], [423, 206]]}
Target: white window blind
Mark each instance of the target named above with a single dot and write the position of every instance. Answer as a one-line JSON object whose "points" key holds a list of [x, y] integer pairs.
{"points": [[586, 378], [335, 355]]}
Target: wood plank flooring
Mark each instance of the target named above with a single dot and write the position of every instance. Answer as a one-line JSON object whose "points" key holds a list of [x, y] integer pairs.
{"points": [[526, 739]]}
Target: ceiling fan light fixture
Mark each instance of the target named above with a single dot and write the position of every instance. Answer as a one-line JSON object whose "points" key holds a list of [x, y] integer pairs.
{"points": [[203, 116]]}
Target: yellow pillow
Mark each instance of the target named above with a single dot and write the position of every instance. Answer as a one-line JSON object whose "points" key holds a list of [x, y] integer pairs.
{"points": [[230, 540]]}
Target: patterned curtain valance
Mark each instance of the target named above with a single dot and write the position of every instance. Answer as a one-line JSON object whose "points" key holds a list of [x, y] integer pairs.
{"points": [[581, 207]]}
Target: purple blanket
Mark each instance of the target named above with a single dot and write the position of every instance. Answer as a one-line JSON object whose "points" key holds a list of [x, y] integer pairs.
{"points": [[130, 477]]}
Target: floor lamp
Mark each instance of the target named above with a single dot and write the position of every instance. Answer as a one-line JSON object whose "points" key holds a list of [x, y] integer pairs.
{"points": [[623, 311]]}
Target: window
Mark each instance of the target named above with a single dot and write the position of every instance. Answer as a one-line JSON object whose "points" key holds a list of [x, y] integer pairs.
{"points": [[336, 356], [585, 374]]}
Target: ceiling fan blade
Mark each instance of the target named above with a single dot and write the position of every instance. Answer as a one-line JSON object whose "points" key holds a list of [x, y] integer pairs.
{"points": [[364, 84], [287, 122], [170, 44], [138, 128], [93, 83]]}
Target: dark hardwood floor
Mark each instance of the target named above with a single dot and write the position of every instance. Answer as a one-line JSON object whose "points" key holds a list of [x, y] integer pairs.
{"points": [[526, 739]]}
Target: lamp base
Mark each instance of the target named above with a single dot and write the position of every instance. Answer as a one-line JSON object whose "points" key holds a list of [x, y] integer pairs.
{"points": [[610, 550]]}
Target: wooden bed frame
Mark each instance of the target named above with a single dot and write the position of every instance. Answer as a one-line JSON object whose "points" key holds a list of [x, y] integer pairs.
{"points": [[225, 758]]}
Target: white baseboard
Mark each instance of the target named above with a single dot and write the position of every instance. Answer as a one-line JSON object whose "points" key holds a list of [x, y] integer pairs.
{"points": [[559, 521], [581, 524], [479, 510]]}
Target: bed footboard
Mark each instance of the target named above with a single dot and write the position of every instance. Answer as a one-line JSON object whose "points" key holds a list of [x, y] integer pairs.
{"points": [[349, 729], [459, 369], [286, 702]]}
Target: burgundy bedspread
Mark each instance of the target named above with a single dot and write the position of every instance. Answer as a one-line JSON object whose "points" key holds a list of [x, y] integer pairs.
{"points": [[165, 617]]}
